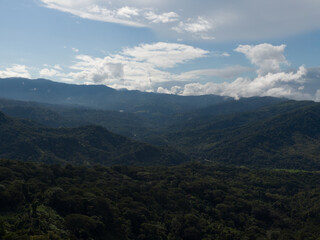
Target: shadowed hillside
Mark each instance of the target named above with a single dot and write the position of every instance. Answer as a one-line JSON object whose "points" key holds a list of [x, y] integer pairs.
{"points": [[83, 145]]}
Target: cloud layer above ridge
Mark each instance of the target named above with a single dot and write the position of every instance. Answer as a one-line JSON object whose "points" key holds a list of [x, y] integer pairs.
{"points": [[136, 68]]}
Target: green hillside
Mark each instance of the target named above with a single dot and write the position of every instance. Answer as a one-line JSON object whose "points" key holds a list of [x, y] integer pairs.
{"points": [[83, 145], [285, 135]]}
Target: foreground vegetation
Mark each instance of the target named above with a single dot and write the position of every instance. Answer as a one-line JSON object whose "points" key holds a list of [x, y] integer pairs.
{"points": [[193, 201]]}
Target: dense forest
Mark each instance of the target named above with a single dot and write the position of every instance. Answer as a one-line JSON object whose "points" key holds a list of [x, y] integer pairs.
{"points": [[193, 201]]}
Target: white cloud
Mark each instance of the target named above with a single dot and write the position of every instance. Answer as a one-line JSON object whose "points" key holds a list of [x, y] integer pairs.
{"points": [[161, 18], [173, 90], [15, 71], [127, 12], [135, 68], [267, 57], [272, 84], [45, 72], [97, 70], [194, 26], [271, 81], [164, 55], [55, 71]]}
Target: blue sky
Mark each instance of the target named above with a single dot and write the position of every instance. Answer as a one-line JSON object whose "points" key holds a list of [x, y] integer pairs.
{"points": [[237, 48]]}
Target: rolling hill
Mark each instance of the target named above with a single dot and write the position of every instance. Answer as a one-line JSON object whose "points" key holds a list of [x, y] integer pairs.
{"points": [[133, 125], [88, 145], [257, 132], [286, 135]]}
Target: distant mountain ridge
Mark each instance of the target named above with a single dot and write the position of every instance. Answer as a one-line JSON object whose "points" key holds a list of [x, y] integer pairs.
{"points": [[100, 96], [260, 132]]}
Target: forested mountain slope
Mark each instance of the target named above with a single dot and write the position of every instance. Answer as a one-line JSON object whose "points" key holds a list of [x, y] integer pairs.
{"points": [[86, 145], [134, 125], [286, 135], [51, 115]]}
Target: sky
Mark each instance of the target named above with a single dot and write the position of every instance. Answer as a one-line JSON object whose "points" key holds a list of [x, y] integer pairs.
{"points": [[237, 48]]}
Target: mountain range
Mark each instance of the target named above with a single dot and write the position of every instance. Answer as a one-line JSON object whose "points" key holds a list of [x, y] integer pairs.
{"points": [[91, 162]]}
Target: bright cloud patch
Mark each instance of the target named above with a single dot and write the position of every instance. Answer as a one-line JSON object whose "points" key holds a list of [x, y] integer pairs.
{"points": [[48, 72], [197, 28], [267, 57], [164, 55], [273, 84], [161, 18], [127, 12], [15, 71], [135, 68], [194, 26]]}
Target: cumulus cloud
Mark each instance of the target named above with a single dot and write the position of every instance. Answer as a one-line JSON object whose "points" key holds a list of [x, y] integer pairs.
{"points": [[267, 57], [167, 54], [15, 70], [194, 26], [270, 81], [224, 20], [46, 72], [272, 84], [97, 70], [127, 12], [135, 68], [173, 90], [52, 71], [161, 18]]}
